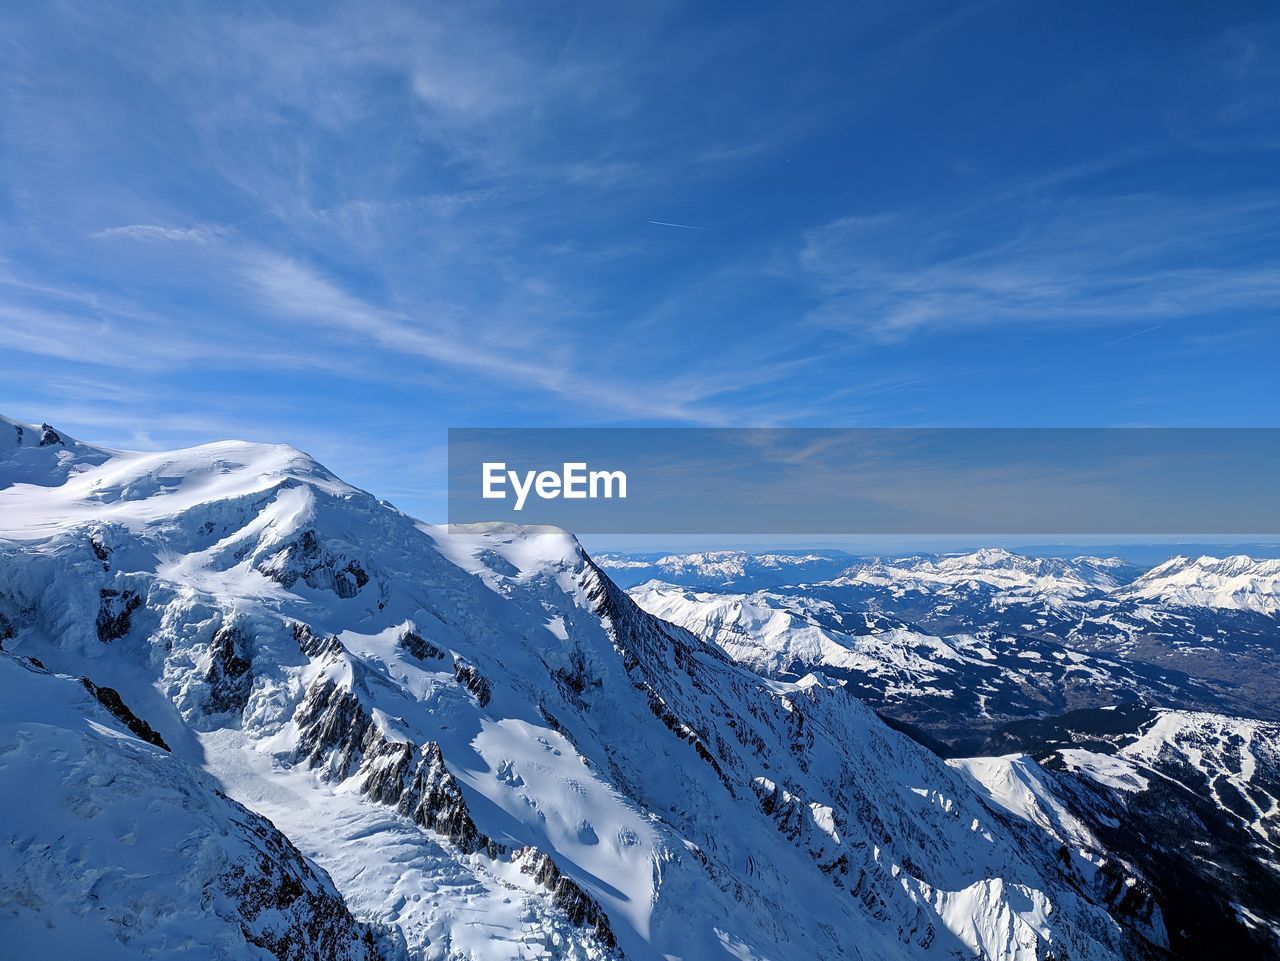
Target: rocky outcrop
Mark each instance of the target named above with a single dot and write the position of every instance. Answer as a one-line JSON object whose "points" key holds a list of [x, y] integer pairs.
{"points": [[228, 676], [304, 558], [316, 646], [419, 647], [110, 698], [101, 551], [416, 782], [49, 436], [475, 682], [578, 906], [286, 907], [642, 645], [338, 736], [334, 730], [115, 609], [1106, 881], [147, 857]]}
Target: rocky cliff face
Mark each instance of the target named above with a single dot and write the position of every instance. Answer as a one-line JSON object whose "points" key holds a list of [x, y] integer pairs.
{"points": [[338, 735]]}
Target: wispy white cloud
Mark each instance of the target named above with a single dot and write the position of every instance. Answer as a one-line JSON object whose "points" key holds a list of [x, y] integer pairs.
{"points": [[111, 333], [290, 288], [199, 234], [1032, 261]]}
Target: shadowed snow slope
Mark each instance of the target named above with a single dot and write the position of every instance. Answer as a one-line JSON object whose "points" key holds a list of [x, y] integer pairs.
{"points": [[115, 849], [487, 745]]}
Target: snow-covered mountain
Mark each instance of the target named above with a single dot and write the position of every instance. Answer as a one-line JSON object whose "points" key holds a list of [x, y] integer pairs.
{"points": [[1016, 576], [998, 576], [955, 688], [1232, 583], [1210, 628], [489, 748], [1191, 801], [1154, 808], [737, 570], [116, 849]]}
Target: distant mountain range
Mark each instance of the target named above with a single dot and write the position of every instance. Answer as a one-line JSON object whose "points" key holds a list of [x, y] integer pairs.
{"points": [[1235, 582], [737, 569], [1050, 680], [1198, 633]]}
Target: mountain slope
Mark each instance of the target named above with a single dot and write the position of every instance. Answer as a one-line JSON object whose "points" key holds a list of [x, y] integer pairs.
{"points": [[1231, 583], [491, 748], [1016, 576], [1189, 800], [115, 849]]}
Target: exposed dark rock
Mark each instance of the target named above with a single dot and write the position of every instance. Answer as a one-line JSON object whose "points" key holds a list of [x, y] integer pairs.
{"points": [[306, 559], [49, 436], [472, 680], [1129, 899], [114, 611], [570, 681], [417, 783], [288, 908], [109, 698], [101, 552], [780, 806], [356, 571], [314, 645], [577, 677], [229, 678], [1188, 851], [338, 735], [419, 646], [579, 907], [643, 641], [668, 717], [334, 729]]}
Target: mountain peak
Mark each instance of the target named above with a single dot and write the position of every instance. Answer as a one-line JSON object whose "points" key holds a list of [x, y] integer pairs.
{"points": [[1237, 581], [83, 482]]}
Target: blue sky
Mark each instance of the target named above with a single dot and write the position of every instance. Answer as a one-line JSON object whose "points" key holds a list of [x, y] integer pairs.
{"points": [[351, 227]]}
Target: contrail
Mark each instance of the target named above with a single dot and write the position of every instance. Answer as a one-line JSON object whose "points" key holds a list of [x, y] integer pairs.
{"points": [[663, 223], [1109, 343]]}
